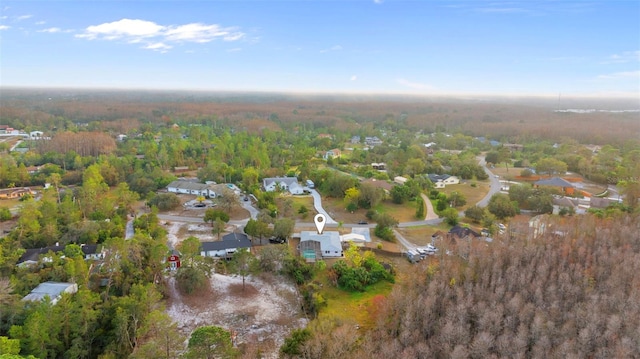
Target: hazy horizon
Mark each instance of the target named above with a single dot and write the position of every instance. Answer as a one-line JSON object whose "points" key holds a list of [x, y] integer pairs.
{"points": [[378, 47]]}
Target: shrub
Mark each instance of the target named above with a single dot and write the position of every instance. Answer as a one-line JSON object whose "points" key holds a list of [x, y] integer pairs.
{"points": [[5, 214], [165, 201]]}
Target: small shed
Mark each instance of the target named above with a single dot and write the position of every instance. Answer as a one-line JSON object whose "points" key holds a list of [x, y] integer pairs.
{"points": [[173, 260]]}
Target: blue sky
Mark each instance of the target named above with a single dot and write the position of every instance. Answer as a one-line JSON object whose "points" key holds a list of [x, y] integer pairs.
{"points": [[384, 46]]}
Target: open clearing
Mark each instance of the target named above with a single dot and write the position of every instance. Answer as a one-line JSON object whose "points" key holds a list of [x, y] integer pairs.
{"points": [[262, 314]]}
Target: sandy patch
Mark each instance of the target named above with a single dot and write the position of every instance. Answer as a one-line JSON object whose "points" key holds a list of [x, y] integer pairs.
{"points": [[262, 314]]}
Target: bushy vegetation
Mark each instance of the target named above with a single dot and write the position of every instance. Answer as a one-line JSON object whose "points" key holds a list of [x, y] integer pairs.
{"points": [[550, 297], [357, 271]]}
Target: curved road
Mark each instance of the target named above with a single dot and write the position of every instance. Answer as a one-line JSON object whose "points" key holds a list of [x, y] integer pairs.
{"points": [[495, 183], [430, 219]]}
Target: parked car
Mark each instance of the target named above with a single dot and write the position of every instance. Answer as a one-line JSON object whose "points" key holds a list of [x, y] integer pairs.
{"points": [[363, 222], [277, 240]]}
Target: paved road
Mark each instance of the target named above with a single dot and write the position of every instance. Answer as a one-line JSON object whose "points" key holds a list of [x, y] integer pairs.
{"points": [[430, 219], [128, 230], [495, 183]]}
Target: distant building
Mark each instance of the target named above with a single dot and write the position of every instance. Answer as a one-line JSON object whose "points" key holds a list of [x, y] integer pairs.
{"points": [[400, 180], [557, 182], [284, 183], [334, 153], [372, 141], [187, 187], [441, 181], [51, 290], [11, 193]]}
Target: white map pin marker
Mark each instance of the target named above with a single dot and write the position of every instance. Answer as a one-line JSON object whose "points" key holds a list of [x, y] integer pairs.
{"points": [[320, 220]]}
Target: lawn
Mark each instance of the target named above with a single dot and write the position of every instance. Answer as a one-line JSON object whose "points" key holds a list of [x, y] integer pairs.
{"points": [[421, 235], [337, 209], [296, 202], [472, 194], [9, 203], [358, 307]]}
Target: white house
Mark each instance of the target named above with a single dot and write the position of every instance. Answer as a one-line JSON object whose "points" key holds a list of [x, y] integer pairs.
{"points": [[440, 181], [285, 183], [225, 248], [52, 290], [328, 244], [187, 187], [35, 135], [400, 180]]}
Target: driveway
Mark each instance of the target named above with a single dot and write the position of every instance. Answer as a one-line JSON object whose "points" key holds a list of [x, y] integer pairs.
{"points": [[317, 204], [248, 205], [403, 241]]}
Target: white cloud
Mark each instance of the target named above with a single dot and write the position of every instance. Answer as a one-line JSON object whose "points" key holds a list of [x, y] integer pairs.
{"points": [[158, 46], [624, 57], [621, 75], [23, 17], [4, 27], [125, 28], [235, 49], [41, 22], [51, 30], [415, 85], [201, 33], [378, 1], [152, 34], [354, 77]]}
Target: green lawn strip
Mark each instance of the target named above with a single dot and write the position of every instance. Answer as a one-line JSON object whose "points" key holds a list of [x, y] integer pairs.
{"points": [[351, 306]]}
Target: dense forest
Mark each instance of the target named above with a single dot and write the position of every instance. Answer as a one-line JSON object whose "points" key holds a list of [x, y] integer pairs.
{"points": [[573, 296]]}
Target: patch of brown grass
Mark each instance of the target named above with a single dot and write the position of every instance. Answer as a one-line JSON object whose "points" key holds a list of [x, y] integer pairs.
{"points": [[242, 291]]}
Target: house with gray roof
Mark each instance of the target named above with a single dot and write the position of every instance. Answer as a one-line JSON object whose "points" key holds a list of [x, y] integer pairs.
{"points": [[315, 246], [557, 182], [51, 290], [189, 187], [225, 248], [289, 184]]}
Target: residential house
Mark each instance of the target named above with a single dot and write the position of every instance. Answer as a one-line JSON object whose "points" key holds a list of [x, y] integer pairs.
{"points": [[400, 180], [379, 166], [386, 186], [289, 184], [325, 135], [18, 192], [188, 187], [564, 202], [36, 135], [314, 246], [355, 139], [372, 141], [51, 290], [225, 248], [3, 128], [459, 232], [32, 255], [513, 147], [334, 153], [358, 236], [441, 181], [565, 186]]}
